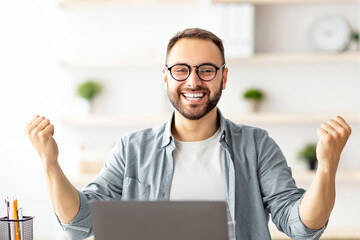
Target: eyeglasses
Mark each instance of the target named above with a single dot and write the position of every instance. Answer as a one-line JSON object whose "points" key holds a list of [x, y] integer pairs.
{"points": [[206, 72]]}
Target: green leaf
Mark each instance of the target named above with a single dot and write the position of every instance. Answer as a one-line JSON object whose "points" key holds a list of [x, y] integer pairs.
{"points": [[254, 94], [89, 89], [308, 153]]}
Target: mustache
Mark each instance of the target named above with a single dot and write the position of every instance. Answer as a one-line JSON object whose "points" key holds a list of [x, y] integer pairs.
{"points": [[197, 89]]}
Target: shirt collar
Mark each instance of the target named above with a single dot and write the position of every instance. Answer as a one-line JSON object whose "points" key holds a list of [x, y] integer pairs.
{"points": [[168, 137]]}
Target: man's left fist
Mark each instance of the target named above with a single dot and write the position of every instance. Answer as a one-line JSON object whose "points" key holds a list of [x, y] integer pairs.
{"points": [[333, 136]]}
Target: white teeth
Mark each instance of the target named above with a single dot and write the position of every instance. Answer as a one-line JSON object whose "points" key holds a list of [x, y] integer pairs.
{"points": [[193, 96]]}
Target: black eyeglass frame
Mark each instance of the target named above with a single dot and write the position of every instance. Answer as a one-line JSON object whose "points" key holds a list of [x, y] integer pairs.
{"points": [[196, 70]]}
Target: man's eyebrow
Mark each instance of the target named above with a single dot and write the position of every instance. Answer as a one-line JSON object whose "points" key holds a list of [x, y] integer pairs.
{"points": [[211, 63], [184, 63]]}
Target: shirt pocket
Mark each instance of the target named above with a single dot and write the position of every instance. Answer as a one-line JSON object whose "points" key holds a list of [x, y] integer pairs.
{"points": [[133, 189]]}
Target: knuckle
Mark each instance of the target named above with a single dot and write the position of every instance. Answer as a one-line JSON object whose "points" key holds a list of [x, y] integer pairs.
{"points": [[327, 138], [42, 134], [349, 130], [342, 132], [33, 134]]}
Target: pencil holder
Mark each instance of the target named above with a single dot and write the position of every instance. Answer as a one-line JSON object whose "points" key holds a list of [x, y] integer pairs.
{"points": [[24, 227]]}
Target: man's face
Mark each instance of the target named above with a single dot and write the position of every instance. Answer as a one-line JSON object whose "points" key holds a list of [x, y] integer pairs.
{"points": [[194, 98]]}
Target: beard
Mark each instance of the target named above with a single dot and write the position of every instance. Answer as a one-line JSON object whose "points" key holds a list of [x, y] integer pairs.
{"points": [[195, 111]]}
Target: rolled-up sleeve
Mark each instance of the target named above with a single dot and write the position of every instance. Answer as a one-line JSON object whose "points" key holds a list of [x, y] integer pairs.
{"points": [[298, 229], [281, 196], [80, 227], [107, 185]]}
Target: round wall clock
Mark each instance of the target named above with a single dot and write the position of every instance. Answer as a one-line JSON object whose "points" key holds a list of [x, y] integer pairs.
{"points": [[330, 34]]}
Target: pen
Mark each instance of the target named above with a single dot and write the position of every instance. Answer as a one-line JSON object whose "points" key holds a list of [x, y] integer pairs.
{"points": [[7, 213], [12, 227], [17, 235], [20, 216]]}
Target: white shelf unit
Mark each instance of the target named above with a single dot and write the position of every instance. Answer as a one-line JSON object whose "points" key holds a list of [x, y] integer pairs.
{"points": [[102, 121], [274, 56], [246, 118]]}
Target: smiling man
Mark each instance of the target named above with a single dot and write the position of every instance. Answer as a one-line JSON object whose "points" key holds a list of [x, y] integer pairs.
{"points": [[200, 155]]}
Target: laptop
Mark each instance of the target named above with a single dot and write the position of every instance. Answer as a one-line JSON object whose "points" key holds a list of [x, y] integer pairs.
{"points": [[159, 220]]}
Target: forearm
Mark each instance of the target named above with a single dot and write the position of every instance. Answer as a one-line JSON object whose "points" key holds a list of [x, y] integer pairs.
{"points": [[319, 199], [63, 195]]}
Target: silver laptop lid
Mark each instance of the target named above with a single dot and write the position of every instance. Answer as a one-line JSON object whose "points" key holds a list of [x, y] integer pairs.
{"points": [[159, 220]]}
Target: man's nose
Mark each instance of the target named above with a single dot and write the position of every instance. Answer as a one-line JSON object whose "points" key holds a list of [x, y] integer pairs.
{"points": [[193, 80]]}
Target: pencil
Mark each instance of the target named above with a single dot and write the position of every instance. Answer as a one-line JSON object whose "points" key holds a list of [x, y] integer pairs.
{"points": [[17, 234]]}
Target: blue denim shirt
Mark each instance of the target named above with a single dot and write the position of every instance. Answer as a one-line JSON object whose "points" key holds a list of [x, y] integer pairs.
{"points": [[258, 180]]}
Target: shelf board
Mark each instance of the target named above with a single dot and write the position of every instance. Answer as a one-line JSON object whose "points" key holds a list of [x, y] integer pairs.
{"points": [[298, 58], [99, 64], [270, 2], [246, 118], [260, 58], [289, 118], [115, 120], [343, 176]]}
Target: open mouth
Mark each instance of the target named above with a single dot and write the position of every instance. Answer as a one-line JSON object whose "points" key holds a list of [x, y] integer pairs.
{"points": [[193, 96]]}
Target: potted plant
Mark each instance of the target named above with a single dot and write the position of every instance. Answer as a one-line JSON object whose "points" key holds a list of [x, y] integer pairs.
{"points": [[88, 90], [355, 40], [308, 154], [253, 96]]}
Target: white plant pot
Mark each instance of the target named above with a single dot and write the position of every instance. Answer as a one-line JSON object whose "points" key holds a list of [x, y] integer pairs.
{"points": [[253, 106], [85, 107]]}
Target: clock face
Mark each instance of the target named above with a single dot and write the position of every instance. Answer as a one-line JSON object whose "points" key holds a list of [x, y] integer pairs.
{"points": [[330, 34]]}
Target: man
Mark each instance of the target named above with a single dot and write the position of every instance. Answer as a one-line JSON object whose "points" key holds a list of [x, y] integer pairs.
{"points": [[198, 154]]}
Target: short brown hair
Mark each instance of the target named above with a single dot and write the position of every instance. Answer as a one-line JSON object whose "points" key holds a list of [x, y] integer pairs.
{"points": [[196, 33]]}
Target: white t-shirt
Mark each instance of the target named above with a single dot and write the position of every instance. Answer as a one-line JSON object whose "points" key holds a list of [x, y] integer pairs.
{"points": [[198, 170], [199, 173]]}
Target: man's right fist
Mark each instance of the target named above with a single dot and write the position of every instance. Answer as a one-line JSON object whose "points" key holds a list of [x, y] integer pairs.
{"points": [[40, 133]]}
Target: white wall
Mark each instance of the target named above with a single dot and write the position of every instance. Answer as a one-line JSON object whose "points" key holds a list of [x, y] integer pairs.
{"points": [[27, 76]]}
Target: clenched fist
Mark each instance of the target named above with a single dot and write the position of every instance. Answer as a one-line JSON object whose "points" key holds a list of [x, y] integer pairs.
{"points": [[333, 136], [41, 132]]}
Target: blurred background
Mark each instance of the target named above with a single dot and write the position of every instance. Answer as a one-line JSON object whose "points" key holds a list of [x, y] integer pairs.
{"points": [[93, 67]]}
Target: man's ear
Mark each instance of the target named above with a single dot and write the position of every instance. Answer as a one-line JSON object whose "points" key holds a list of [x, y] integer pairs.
{"points": [[225, 73], [165, 77]]}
